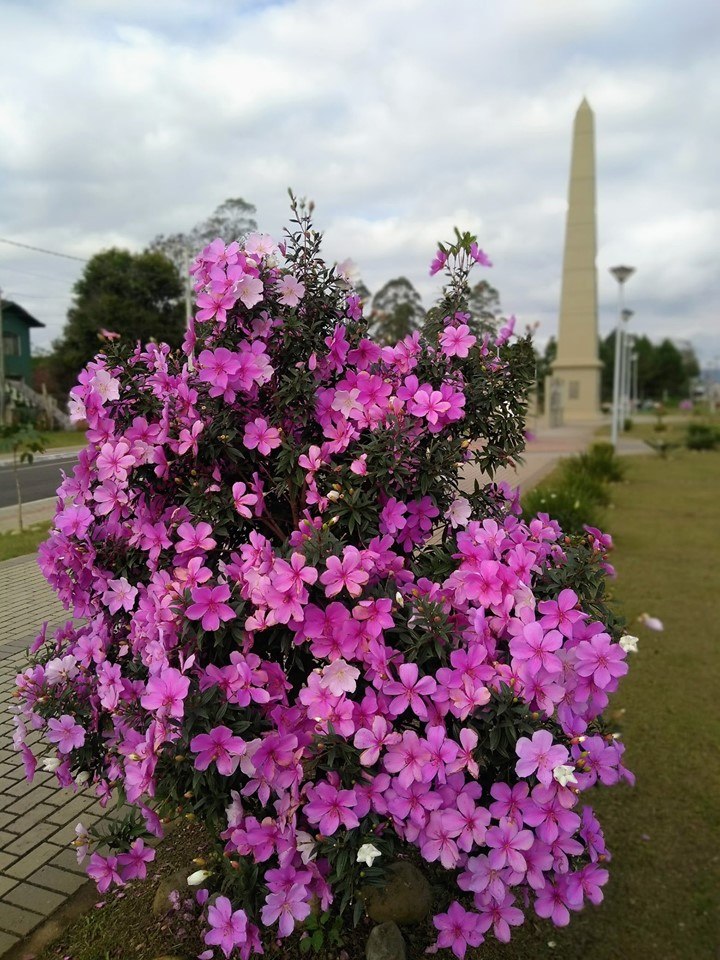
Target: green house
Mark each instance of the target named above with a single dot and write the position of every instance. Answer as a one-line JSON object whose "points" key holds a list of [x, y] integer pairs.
{"points": [[16, 324]]}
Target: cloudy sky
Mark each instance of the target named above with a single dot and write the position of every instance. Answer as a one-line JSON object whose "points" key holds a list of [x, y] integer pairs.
{"points": [[121, 119]]}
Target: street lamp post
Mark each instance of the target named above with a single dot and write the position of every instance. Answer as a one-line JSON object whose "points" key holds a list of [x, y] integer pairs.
{"points": [[621, 274], [634, 398]]}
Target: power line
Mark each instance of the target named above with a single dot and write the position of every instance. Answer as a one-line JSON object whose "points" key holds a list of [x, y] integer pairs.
{"points": [[53, 253]]}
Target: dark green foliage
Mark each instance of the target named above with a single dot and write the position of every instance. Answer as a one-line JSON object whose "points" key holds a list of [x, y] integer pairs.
{"points": [[397, 310], [701, 436], [135, 294]]}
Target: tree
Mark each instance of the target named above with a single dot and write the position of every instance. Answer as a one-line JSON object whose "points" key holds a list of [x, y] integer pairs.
{"points": [[397, 310], [231, 220], [664, 370], [138, 295], [484, 309]]}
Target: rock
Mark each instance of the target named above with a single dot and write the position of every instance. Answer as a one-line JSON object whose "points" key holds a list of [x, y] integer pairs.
{"points": [[405, 898], [176, 881], [385, 943]]}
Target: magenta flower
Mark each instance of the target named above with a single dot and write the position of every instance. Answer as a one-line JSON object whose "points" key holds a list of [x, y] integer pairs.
{"points": [[66, 733], [219, 746], [330, 807], [459, 929], [372, 740], [539, 755], [104, 871], [258, 434], [457, 341], [133, 864], [209, 606], [501, 916], [408, 691], [506, 842], [194, 538], [536, 648], [243, 500], [165, 694], [289, 905], [561, 614], [555, 900], [347, 573], [600, 659], [228, 928], [438, 262]]}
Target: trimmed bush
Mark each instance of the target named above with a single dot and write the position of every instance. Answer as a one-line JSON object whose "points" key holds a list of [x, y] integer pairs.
{"points": [[701, 436]]}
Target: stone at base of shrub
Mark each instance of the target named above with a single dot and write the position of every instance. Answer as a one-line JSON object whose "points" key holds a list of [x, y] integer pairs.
{"points": [[385, 943], [406, 896], [176, 881]]}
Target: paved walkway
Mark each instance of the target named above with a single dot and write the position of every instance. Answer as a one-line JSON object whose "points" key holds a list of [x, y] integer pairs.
{"points": [[38, 868]]}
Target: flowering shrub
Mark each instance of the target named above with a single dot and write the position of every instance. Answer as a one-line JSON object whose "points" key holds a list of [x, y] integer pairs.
{"points": [[298, 629]]}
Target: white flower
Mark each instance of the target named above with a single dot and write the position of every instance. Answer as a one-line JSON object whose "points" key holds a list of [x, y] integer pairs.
{"points": [[651, 622], [82, 777], [305, 846], [458, 513], [564, 774], [333, 496], [348, 271], [399, 599], [195, 879], [61, 668], [629, 643], [367, 853], [50, 764], [339, 677], [107, 386]]}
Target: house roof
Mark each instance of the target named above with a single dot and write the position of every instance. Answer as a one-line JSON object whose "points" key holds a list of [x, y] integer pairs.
{"points": [[9, 306]]}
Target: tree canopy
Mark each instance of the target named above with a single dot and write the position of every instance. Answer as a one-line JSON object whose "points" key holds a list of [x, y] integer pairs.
{"points": [[138, 295], [396, 311], [230, 221]]}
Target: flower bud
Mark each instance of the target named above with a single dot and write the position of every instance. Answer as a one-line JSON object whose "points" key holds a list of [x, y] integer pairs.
{"points": [[195, 879]]}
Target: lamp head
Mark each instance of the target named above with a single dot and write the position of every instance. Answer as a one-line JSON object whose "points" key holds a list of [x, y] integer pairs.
{"points": [[626, 314], [622, 274]]}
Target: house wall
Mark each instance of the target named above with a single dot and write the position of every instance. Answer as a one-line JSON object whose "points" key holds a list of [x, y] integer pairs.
{"points": [[16, 341]]}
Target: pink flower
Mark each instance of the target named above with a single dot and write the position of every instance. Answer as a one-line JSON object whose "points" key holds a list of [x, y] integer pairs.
{"points": [[408, 690], [438, 262], [501, 916], [456, 341], [133, 864], [459, 929], [291, 291], [166, 693], [120, 595], [539, 755], [371, 740], [219, 746], [67, 734], [506, 842], [289, 905], [330, 807], [347, 573], [228, 928], [600, 659], [243, 500], [554, 899], [259, 434], [194, 538], [104, 871], [209, 606], [114, 461]]}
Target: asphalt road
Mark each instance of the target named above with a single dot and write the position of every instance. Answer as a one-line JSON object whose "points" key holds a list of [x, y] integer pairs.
{"points": [[37, 480]]}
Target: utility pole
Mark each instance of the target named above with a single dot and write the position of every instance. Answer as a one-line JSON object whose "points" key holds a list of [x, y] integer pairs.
{"points": [[621, 274], [2, 368]]}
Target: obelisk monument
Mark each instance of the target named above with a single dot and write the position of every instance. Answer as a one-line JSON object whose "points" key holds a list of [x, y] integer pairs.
{"points": [[576, 370]]}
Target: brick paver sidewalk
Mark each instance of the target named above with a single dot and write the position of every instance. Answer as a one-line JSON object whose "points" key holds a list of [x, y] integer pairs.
{"points": [[38, 868]]}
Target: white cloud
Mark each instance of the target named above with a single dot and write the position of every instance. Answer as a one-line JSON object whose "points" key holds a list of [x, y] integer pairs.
{"points": [[400, 119]]}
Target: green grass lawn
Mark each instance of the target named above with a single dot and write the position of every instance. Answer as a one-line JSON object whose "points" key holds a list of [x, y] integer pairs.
{"points": [[662, 898], [57, 439], [20, 544]]}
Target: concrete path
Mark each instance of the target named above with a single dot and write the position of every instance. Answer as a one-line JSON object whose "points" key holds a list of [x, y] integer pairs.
{"points": [[38, 868]]}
